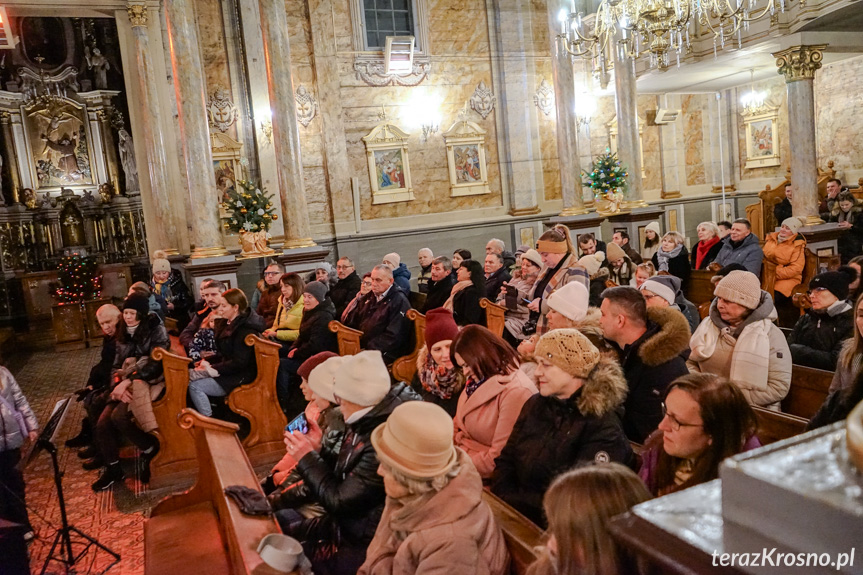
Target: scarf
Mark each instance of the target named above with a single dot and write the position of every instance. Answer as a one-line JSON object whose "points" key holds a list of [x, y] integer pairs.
{"points": [[438, 380], [750, 357], [455, 289], [702, 248], [157, 286], [662, 257], [472, 385]]}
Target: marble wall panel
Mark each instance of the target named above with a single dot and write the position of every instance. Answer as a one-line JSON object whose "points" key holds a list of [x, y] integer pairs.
{"points": [[211, 35], [839, 117], [693, 139], [652, 182]]}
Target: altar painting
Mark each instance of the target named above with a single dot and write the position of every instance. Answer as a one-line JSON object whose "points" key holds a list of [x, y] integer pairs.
{"points": [[59, 146]]}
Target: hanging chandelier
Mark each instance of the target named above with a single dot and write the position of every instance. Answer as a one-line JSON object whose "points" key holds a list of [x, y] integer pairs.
{"points": [[659, 27]]}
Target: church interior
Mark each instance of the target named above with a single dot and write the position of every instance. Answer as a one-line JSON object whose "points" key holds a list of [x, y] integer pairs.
{"points": [[239, 142]]}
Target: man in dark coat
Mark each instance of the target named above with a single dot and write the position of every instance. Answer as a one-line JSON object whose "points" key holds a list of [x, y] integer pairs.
{"points": [[440, 284], [347, 287], [649, 344], [380, 315], [211, 291], [495, 274], [349, 489], [782, 210], [741, 246]]}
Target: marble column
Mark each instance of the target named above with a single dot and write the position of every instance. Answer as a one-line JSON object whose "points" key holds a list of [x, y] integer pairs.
{"points": [[165, 225], [286, 133], [10, 158], [567, 123], [798, 64], [626, 106], [189, 85]]}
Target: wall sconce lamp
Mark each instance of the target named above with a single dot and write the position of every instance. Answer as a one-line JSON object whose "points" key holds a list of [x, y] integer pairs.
{"points": [[423, 111], [585, 108]]}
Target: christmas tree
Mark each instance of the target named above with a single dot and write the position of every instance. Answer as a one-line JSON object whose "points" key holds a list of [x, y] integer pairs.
{"points": [[250, 209], [79, 279], [608, 178]]}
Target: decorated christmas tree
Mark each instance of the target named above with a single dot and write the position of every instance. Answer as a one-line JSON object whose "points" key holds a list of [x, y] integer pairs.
{"points": [[250, 208], [608, 178], [78, 279]]}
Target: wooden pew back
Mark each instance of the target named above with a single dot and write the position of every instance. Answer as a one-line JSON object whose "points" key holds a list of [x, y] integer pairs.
{"points": [[257, 402], [175, 461], [404, 368], [809, 389], [700, 289], [348, 338], [494, 316], [221, 463], [775, 426], [521, 535]]}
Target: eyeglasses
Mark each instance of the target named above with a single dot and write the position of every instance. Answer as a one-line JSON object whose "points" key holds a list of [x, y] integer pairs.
{"points": [[675, 424]]}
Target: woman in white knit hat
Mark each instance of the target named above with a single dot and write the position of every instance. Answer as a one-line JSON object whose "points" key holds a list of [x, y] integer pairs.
{"points": [[739, 340], [435, 519], [651, 240]]}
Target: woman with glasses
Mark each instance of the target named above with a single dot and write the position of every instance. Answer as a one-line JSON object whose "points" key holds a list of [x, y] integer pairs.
{"points": [[706, 418], [739, 340], [817, 338]]}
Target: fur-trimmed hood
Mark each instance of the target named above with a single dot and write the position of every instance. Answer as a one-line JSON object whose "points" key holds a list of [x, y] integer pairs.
{"points": [[603, 390], [671, 340]]}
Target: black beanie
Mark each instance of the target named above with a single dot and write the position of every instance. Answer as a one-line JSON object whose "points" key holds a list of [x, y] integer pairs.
{"points": [[836, 282], [140, 304]]}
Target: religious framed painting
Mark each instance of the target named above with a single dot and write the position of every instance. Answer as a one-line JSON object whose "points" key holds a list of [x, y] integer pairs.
{"points": [[389, 164], [762, 139], [58, 144], [227, 165], [465, 155]]}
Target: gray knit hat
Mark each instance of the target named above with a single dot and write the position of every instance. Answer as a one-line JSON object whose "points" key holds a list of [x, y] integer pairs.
{"points": [[317, 290]]}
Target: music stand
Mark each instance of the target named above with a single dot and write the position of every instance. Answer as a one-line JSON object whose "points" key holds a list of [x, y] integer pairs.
{"points": [[63, 537]]}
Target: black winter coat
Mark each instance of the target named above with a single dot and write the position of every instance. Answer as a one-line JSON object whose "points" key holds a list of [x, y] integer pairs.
{"points": [[384, 324], [438, 293], [494, 282], [235, 361], [551, 436], [315, 335], [351, 492], [678, 266], [708, 258], [817, 338], [100, 374], [837, 406], [650, 363], [344, 291], [465, 307], [140, 346], [782, 211]]}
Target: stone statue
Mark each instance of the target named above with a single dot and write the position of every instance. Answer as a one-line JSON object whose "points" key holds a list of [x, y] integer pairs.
{"points": [[100, 66], [127, 158]]}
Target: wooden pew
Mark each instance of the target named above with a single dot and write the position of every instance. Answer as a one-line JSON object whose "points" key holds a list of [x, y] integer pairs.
{"points": [[700, 289], [175, 461], [348, 338], [809, 389], [768, 277], [494, 316], [521, 535], [202, 529], [775, 426], [404, 368], [258, 403]]}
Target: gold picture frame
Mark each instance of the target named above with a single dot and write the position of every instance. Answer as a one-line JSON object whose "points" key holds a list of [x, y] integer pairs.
{"points": [[762, 139], [389, 164]]}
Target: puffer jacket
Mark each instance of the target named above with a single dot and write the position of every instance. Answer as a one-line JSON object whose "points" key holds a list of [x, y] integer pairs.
{"points": [[10, 431], [235, 361], [140, 346], [789, 257], [817, 338], [315, 335], [402, 278], [650, 363], [350, 489], [287, 322], [553, 435], [446, 531], [747, 253]]}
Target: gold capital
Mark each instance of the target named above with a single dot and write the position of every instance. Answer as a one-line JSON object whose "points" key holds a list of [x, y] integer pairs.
{"points": [[137, 15], [799, 62]]}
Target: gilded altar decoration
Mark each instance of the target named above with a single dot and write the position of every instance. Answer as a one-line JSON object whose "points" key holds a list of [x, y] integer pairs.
{"points": [[221, 110], [250, 213], [482, 101], [137, 15], [465, 154], [307, 106], [544, 98], [228, 165], [389, 166]]}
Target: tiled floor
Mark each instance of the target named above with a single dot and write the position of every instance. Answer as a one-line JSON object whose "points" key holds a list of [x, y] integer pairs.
{"points": [[114, 517]]}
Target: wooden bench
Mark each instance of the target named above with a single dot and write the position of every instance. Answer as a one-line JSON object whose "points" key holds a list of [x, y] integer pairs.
{"points": [[809, 389], [522, 536], [202, 529], [494, 316], [348, 338], [175, 461], [813, 265], [405, 367], [775, 426], [258, 403]]}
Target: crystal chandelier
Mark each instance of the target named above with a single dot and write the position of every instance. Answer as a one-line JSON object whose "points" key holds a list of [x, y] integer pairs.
{"points": [[753, 101], [660, 27]]}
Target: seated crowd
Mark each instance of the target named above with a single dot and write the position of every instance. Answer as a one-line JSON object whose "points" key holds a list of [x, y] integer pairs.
{"points": [[605, 388]]}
